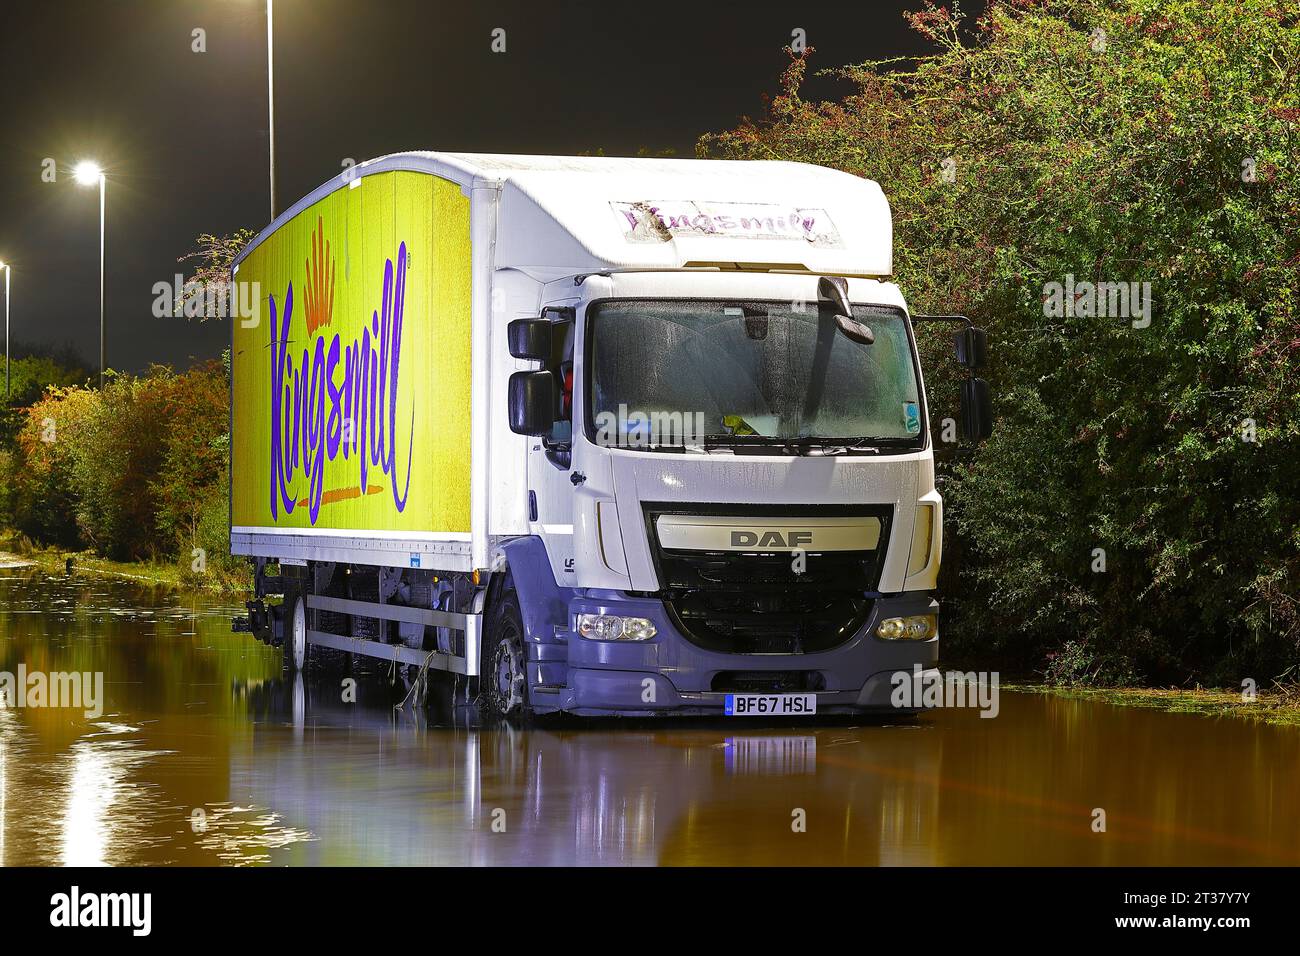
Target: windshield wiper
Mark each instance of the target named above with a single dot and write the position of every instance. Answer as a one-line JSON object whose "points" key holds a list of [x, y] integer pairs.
{"points": [[810, 446], [813, 447], [738, 442]]}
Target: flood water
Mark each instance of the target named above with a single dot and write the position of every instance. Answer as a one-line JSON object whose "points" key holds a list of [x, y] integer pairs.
{"points": [[207, 754]]}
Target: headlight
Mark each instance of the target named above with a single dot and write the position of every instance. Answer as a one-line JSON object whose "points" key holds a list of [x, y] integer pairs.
{"points": [[920, 627], [611, 627], [890, 629]]}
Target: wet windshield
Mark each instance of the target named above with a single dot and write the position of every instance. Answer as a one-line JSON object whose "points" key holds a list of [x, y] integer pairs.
{"points": [[749, 372]]}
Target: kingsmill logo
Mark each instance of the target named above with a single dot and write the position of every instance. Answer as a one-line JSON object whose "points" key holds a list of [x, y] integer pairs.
{"points": [[315, 416]]}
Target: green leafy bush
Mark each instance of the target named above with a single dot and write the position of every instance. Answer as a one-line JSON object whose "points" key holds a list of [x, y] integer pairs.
{"points": [[195, 446], [40, 476], [212, 536], [29, 376], [135, 470]]}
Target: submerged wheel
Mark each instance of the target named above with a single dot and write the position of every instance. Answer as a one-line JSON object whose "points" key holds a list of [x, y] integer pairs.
{"points": [[505, 678], [295, 651]]}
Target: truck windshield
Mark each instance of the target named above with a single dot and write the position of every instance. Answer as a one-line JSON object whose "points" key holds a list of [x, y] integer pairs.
{"points": [[672, 373]]}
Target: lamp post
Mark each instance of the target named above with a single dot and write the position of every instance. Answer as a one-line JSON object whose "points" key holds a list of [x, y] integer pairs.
{"points": [[270, 99], [89, 174], [8, 269]]}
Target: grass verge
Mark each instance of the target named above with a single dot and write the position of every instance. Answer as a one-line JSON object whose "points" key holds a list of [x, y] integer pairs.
{"points": [[167, 573], [1277, 705]]}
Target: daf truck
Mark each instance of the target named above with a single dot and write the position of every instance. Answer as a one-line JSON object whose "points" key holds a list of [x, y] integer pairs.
{"points": [[593, 435]]}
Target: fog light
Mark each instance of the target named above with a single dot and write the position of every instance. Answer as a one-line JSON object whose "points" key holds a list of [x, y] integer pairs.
{"points": [[611, 627], [916, 628], [920, 627]]}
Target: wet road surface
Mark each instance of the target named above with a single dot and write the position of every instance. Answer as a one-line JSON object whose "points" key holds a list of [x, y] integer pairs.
{"points": [[208, 753]]}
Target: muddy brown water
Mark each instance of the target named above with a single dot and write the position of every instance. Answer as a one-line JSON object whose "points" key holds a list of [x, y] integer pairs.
{"points": [[208, 753]]}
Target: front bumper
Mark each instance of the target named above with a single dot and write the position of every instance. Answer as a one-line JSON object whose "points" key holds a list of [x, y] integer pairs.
{"points": [[668, 674]]}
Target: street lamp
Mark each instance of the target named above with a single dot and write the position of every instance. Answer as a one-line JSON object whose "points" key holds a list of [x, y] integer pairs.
{"points": [[270, 99], [6, 267], [88, 174]]}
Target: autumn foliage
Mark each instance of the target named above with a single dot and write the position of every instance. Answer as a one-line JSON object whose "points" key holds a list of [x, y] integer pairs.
{"points": [[134, 470]]}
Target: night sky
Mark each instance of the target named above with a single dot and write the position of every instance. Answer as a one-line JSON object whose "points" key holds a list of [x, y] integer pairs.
{"points": [[182, 135]]}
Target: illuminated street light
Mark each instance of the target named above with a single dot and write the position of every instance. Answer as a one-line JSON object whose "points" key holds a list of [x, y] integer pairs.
{"points": [[88, 174]]}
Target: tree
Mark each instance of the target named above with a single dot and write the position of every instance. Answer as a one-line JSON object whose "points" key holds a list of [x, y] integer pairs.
{"points": [[215, 255]]}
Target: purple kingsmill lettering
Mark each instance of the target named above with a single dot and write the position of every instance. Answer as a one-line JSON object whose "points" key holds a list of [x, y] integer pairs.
{"points": [[309, 405]]}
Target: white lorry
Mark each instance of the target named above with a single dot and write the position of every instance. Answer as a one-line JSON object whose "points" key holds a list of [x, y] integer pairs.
{"points": [[610, 436]]}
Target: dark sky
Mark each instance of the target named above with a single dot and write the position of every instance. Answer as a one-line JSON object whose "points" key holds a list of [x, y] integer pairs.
{"points": [[182, 135]]}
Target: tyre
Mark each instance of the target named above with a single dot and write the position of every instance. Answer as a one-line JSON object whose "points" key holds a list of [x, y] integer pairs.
{"points": [[295, 645], [505, 682]]}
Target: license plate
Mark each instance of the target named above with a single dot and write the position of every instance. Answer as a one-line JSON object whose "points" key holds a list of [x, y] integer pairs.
{"points": [[769, 705]]}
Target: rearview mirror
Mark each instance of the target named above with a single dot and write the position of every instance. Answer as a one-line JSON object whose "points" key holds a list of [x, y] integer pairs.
{"points": [[854, 330], [532, 403], [976, 410], [835, 290], [972, 346], [530, 339]]}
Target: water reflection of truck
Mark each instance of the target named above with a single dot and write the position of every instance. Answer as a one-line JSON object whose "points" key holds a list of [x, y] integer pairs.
{"points": [[612, 436], [587, 796]]}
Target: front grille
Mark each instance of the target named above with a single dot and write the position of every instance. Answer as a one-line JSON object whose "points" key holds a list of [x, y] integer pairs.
{"points": [[755, 602]]}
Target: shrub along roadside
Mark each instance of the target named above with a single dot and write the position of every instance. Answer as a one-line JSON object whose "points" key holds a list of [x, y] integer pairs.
{"points": [[135, 471]]}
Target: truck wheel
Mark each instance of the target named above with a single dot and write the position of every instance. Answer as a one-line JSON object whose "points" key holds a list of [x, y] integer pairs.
{"points": [[295, 651], [505, 680]]}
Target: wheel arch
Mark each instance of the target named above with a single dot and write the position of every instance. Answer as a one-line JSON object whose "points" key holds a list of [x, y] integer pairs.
{"points": [[542, 602]]}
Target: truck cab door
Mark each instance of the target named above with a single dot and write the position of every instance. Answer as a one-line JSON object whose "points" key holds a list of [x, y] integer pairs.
{"points": [[597, 531], [549, 461]]}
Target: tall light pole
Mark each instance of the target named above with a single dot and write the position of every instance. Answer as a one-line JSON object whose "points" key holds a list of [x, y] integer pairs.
{"points": [[88, 174], [270, 98], [7, 268]]}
